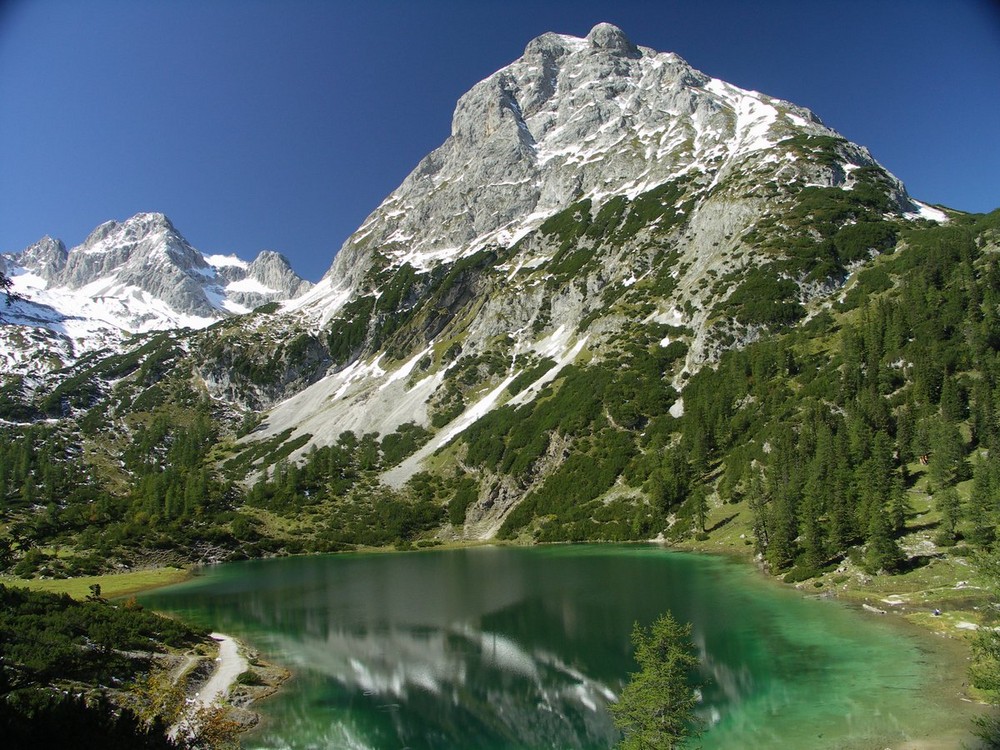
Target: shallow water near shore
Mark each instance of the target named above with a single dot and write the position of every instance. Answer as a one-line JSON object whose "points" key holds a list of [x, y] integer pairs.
{"points": [[524, 648]]}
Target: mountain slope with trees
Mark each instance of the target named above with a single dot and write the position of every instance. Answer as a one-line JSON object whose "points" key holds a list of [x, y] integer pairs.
{"points": [[623, 301]]}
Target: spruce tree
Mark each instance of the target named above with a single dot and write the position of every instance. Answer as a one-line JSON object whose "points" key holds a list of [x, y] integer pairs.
{"points": [[811, 522], [758, 500], [656, 707], [950, 507], [699, 507], [782, 530], [981, 509], [883, 553], [947, 453]]}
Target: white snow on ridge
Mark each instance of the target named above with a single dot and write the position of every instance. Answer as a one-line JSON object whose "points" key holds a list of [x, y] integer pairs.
{"points": [[235, 307], [250, 285], [129, 277], [322, 302], [221, 261], [754, 116], [406, 369]]}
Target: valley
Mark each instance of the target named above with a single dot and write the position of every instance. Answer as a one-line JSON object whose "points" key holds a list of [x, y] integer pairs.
{"points": [[623, 301]]}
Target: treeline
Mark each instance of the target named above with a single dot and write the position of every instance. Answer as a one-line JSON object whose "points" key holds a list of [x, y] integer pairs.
{"points": [[590, 423], [818, 441], [327, 477], [160, 492], [816, 428]]}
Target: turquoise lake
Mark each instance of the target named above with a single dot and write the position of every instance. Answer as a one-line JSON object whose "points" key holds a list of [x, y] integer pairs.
{"points": [[524, 648]]}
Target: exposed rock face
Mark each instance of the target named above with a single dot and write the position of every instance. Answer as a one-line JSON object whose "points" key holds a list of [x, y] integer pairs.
{"points": [[588, 182], [268, 278], [147, 253], [571, 119], [47, 258], [136, 276], [273, 270], [593, 198]]}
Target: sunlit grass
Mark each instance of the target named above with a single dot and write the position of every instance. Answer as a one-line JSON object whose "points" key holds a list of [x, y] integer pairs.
{"points": [[112, 585]]}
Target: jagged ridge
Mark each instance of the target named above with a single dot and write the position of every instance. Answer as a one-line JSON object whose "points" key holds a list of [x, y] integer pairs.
{"points": [[589, 181], [128, 277]]}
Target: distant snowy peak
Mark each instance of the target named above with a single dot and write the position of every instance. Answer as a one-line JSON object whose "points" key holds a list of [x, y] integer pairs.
{"points": [[572, 119], [46, 258], [148, 254], [268, 278], [137, 276]]}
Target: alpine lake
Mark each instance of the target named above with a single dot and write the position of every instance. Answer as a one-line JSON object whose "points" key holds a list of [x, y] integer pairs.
{"points": [[510, 647]]}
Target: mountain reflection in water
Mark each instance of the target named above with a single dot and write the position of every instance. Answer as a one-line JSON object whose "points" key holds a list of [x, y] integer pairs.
{"points": [[524, 648]]}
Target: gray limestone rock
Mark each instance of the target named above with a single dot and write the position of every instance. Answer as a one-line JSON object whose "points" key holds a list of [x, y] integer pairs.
{"points": [[576, 118], [47, 258], [593, 123], [275, 279], [611, 39], [145, 252], [138, 275], [273, 270]]}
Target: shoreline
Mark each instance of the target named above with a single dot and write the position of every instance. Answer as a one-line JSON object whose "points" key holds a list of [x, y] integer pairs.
{"points": [[901, 603], [225, 691], [229, 665], [905, 602], [113, 585]]}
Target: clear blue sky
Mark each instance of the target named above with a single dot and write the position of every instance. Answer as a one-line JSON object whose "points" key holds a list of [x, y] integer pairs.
{"points": [[281, 125]]}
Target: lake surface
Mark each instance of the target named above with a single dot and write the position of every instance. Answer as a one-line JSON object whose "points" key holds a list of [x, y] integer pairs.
{"points": [[524, 648]]}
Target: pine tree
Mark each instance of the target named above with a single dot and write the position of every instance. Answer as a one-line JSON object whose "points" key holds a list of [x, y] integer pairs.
{"points": [[947, 453], [811, 514], [782, 530], [883, 553], [758, 500], [699, 507], [656, 707], [952, 406], [950, 507], [878, 481], [905, 428], [981, 509]]}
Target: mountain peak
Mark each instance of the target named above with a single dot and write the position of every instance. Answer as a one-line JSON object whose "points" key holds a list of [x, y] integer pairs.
{"points": [[608, 37], [47, 258], [275, 274], [136, 275], [550, 45], [574, 119]]}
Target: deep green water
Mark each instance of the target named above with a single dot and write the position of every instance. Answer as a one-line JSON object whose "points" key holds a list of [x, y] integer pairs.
{"points": [[523, 648]]}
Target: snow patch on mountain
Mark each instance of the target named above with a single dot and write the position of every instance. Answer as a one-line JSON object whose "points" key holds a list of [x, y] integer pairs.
{"points": [[224, 261], [930, 213], [571, 119], [129, 277]]}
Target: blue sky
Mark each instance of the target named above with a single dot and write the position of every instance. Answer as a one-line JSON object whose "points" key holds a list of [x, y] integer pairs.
{"points": [[281, 125]]}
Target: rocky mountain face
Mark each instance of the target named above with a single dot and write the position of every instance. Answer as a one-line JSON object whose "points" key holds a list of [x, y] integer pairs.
{"points": [[268, 278], [586, 119], [527, 312], [128, 277], [589, 187]]}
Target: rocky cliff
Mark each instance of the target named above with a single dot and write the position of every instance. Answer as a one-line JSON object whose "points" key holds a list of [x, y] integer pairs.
{"points": [[589, 182], [128, 277]]}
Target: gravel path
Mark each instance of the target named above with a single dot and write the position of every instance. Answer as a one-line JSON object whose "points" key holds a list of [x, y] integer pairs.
{"points": [[229, 665]]}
